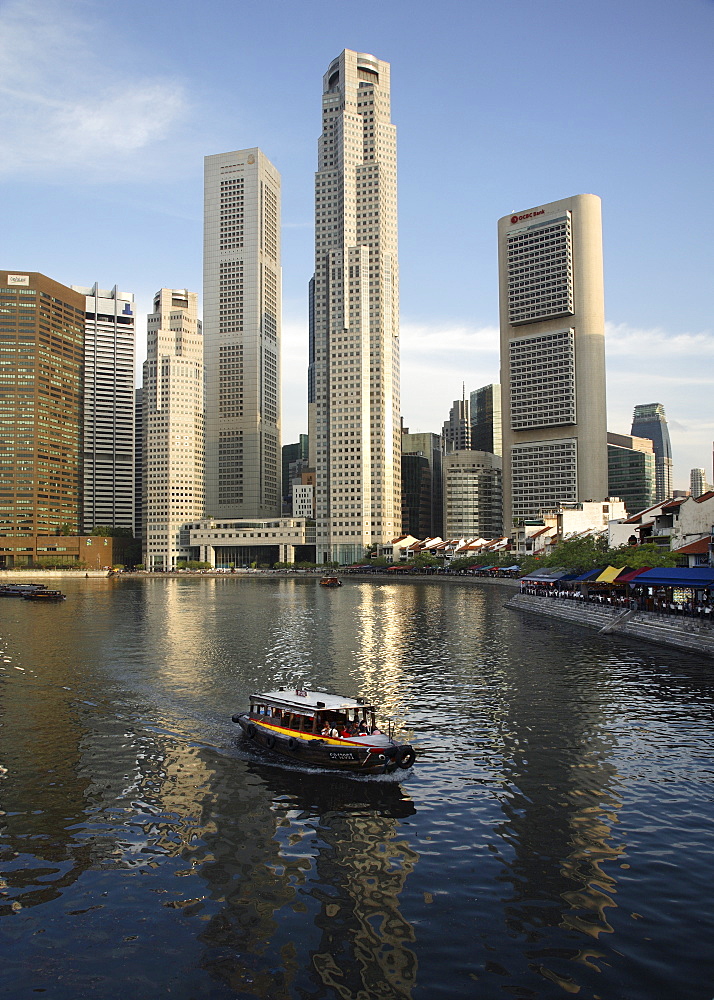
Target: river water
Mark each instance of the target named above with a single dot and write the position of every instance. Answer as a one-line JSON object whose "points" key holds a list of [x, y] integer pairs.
{"points": [[555, 837]]}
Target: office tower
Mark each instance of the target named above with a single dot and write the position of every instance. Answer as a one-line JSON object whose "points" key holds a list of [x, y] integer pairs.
{"points": [[428, 446], [108, 445], [552, 356], [649, 421], [355, 314], [697, 482], [42, 360], [295, 458], [631, 471], [138, 461], [416, 496], [242, 324], [456, 431], [486, 419], [173, 417], [473, 495]]}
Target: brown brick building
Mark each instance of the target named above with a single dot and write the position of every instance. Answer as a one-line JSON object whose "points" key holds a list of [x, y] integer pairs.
{"points": [[41, 366]]}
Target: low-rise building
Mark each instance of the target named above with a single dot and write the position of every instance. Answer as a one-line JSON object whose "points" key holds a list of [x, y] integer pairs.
{"points": [[226, 543]]}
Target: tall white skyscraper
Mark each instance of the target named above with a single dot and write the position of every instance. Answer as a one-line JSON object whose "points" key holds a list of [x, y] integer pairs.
{"points": [[552, 356], [108, 438], [242, 326], [354, 314], [173, 444]]}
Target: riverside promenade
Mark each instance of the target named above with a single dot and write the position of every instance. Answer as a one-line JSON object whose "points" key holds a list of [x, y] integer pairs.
{"points": [[679, 633]]}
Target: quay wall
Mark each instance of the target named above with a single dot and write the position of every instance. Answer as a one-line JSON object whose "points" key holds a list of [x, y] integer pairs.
{"points": [[679, 633]]}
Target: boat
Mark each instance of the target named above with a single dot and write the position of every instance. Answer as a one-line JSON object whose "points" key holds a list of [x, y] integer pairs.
{"points": [[45, 595], [330, 581], [319, 729], [21, 589]]}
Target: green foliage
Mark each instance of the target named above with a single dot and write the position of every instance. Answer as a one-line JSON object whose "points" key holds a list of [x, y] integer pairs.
{"points": [[583, 554], [579, 554], [642, 556], [423, 560], [107, 531]]}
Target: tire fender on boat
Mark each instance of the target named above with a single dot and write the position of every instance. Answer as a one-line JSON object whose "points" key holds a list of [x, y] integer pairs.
{"points": [[270, 741], [236, 718], [250, 731], [405, 757], [293, 744]]}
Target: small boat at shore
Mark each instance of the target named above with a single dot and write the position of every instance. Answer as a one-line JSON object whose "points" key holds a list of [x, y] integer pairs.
{"points": [[323, 730], [330, 581]]}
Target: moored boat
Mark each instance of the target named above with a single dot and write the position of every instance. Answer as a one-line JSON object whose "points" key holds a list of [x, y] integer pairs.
{"points": [[330, 581], [45, 595], [323, 730], [21, 589]]}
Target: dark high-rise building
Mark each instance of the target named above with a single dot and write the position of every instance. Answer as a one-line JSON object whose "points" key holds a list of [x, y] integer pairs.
{"points": [[631, 471], [649, 421], [456, 431], [292, 454], [42, 360], [416, 496], [426, 446], [486, 419]]}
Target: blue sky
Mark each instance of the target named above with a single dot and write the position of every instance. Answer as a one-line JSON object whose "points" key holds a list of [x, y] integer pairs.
{"points": [[107, 110]]}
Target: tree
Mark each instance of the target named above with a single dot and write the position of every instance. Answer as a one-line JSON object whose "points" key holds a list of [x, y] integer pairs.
{"points": [[648, 556], [578, 554]]}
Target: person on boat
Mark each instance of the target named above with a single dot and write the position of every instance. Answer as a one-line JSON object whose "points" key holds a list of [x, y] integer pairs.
{"points": [[363, 728], [329, 730]]}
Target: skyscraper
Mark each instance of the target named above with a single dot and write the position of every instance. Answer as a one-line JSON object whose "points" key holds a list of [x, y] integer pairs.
{"points": [[473, 495], [108, 445], [242, 325], [354, 335], [552, 356], [649, 421], [486, 419], [173, 422], [631, 471], [427, 446], [42, 339], [697, 482], [456, 431]]}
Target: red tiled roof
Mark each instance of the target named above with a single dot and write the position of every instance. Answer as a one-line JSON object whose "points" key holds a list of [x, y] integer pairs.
{"points": [[700, 547], [704, 496]]}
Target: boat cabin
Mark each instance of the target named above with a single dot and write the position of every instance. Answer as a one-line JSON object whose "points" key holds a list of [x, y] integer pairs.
{"points": [[307, 711]]}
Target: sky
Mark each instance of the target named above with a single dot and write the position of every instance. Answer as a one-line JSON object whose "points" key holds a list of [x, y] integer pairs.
{"points": [[108, 109]]}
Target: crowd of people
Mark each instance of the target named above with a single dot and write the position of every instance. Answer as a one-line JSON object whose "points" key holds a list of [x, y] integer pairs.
{"points": [[661, 603]]}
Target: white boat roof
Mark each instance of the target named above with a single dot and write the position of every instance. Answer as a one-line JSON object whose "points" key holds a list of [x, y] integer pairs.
{"points": [[308, 702]]}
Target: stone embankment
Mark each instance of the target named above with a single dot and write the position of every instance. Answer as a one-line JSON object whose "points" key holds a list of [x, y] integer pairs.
{"points": [[680, 633]]}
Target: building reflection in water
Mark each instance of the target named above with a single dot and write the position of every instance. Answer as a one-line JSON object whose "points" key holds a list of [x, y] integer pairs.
{"points": [[313, 893], [560, 802]]}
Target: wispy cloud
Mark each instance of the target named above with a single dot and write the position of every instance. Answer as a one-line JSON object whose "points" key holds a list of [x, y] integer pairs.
{"points": [[69, 104], [623, 340]]}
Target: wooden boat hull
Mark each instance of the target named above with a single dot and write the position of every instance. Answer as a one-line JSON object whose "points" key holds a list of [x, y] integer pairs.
{"points": [[340, 754]]}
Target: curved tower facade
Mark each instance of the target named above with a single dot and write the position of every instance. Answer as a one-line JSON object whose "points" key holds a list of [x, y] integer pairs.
{"points": [[552, 356], [649, 421]]}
